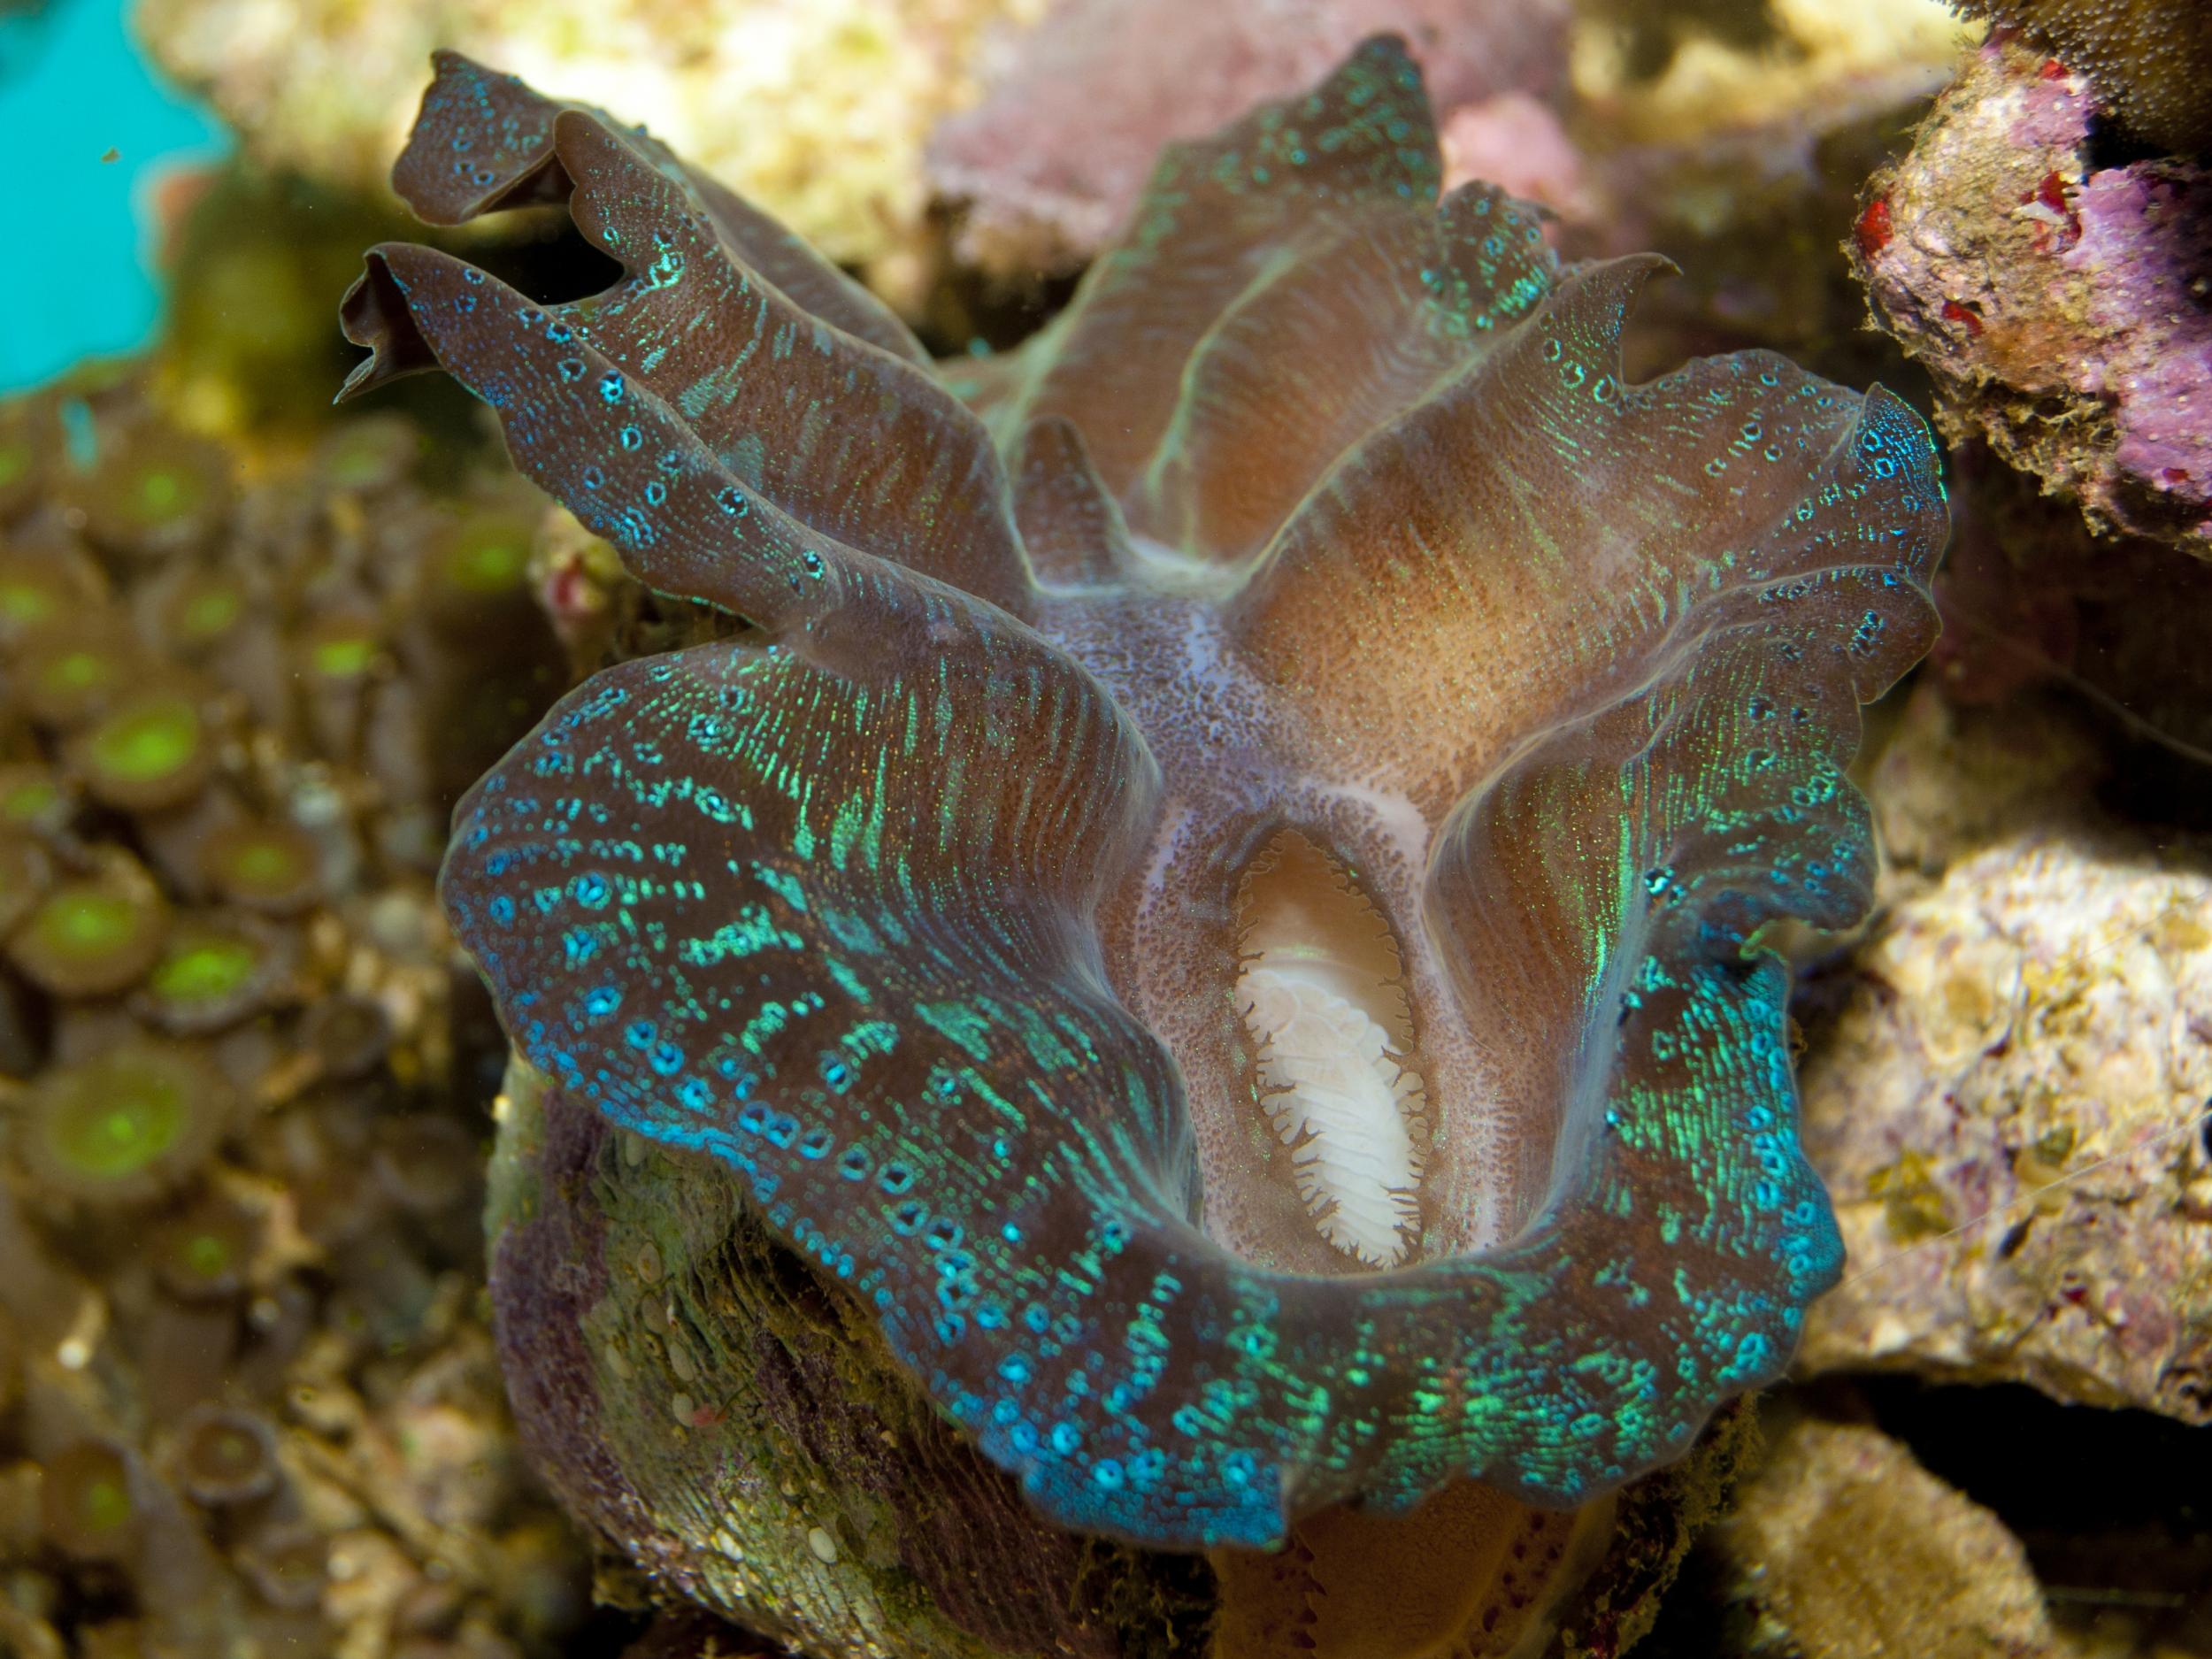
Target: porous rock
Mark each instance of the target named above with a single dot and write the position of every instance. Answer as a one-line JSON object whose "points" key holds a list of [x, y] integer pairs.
{"points": [[2059, 302], [1844, 1547], [2008, 1079]]}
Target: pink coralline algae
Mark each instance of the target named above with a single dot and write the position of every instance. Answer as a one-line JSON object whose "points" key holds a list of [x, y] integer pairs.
{"points": [[2065, 309], [2146, 250], [1052, 162]]}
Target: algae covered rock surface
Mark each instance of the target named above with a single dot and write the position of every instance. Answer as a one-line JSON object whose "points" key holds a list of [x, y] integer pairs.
{"points": [[2009, 1092], [2057, 297], [1843, 1546], [2151, 60]]}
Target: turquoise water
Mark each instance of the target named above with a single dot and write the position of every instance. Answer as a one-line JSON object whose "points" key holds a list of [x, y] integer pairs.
{"points": [[81, 281]]}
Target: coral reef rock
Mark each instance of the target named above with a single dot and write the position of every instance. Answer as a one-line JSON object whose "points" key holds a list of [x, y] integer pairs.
{"points": [[1051, 164], [2007, 1082], [817, 108], [1766, 122], [2062, 307], [1844, 1547], [1785, 68], [2150, 60], [1733, 139]]}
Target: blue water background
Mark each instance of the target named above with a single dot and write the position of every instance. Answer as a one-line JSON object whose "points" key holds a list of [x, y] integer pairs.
{"points": [[79, 280]]}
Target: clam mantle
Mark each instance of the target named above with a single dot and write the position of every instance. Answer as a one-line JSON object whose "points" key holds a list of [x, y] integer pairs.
{"points": [[1220, 893]]}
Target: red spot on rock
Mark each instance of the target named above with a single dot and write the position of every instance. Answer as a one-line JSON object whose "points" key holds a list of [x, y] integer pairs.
{"points": [[1872, 230], [1966, 316], [2051, 69], [2048, 203], [570, 594]]}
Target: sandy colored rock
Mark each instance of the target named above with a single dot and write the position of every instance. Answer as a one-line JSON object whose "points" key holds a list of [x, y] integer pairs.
{"points": [[815, 109], [2007, 1084], [1798, 64], [1845, 1548]]}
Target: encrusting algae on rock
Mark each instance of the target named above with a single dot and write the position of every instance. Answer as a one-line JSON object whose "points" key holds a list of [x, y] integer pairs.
{"points": [[2009, 1085], [2058, 300], [2150, 60], [1842, 1546]]}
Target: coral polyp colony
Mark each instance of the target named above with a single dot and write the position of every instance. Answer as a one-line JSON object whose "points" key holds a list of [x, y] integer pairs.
{"points": [[1325, 508], [234, 1342]]}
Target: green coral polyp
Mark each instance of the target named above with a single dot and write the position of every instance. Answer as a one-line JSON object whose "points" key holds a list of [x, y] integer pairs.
{"points": [[1323, 507], [342, 651], [28, 596], [125, 1125], [208, 608], [147, 740], [43, 587], [85, 1502], [71, 670], [81, 671], [264, 866], [214, 971], [150, 751], [109, 1137], [92, 936], [225, 1456], [486, 556], [207, 969], [204, 1253], [163, 492], [205, 1260], [30, 798], [370, 454], [156, 492]]}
